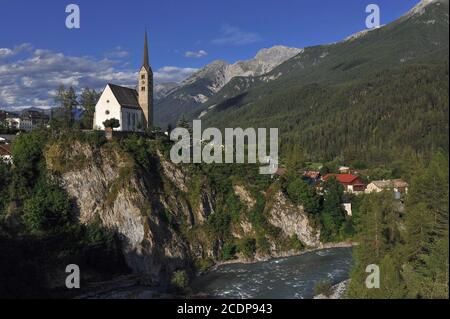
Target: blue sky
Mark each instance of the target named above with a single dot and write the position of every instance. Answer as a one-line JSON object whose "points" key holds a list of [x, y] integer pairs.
{"points": [[183, 35]]}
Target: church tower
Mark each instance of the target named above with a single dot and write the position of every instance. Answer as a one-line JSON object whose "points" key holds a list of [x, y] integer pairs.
{"points": [[145, 87]]}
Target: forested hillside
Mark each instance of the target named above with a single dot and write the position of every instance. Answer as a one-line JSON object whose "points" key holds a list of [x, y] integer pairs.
{"points": [[373, 121], [421, 36]]}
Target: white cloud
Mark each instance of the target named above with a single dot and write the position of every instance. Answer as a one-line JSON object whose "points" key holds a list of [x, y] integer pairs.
{"points": [[7, 52], [231, 35], [173, 74], [197, 54], [31, 78], [118, 52]]}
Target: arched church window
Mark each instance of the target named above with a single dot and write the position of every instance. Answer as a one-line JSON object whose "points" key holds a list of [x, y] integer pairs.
{"points": [[143, 88]]}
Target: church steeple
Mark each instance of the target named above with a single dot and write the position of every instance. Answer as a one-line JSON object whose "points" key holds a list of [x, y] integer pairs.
{"points": [[145, 62], [145, 87]]}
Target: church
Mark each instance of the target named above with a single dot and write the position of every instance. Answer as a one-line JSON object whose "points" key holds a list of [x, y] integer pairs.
{"points": [[132, 107]]}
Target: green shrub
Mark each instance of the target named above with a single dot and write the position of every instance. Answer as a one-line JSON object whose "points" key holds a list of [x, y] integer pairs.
{"points": [[228, 251], [323, 288], [47, 210], [180, 280], [300, 192], [263, 245], [203, 264], [219, 225], [295, 243], [5, 180], [247, 247], [96, 234], [27, 151]]}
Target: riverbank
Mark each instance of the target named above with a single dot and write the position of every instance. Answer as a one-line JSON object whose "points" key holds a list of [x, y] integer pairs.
{"points": [[135, 286], [336, 292], [287, 254]]}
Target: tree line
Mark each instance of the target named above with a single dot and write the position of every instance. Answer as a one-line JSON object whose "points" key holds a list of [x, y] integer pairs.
{"points": [[73, 110], [409, 243]]}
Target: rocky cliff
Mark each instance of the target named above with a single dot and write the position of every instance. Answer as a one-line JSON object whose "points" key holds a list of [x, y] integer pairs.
{"points": [[293, 220], [152, 209]]}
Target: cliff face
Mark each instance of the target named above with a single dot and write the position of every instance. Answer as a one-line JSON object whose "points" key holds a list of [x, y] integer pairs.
{"points": [[293, 220], [148, 208], [131, 202]]}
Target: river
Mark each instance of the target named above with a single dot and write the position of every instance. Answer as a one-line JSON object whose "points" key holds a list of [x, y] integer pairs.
{"points": [[285, 278]]}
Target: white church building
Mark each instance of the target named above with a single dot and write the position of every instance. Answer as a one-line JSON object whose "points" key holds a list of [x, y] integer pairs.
{"points": [[132, 107]]}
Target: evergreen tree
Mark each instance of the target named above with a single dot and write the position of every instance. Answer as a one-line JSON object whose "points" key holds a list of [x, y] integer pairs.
{"points": [[333, 214], [301, 193], [426, 243], [88, 100]]}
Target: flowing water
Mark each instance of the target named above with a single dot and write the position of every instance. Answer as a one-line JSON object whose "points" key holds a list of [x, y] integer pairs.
{"points": [[286, 278]]}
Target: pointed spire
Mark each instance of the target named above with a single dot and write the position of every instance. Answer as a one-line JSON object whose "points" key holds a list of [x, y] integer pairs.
{"points": [[146, 63]]}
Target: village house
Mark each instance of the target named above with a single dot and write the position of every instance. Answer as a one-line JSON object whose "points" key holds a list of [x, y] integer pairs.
{"points": [[398, 186], [5, 153], [12, 121], [352, 184], [30, 120], [344, 170]]}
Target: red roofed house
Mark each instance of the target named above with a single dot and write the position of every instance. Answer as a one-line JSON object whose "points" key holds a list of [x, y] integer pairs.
{"points": [[351, 183]]}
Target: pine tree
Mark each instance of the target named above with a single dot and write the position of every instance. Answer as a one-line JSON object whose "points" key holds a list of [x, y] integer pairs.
{"points": [[426, 246], [88, 100]]}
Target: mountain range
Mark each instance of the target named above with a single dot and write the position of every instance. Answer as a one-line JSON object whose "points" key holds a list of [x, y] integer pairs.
{"points": [[173, 99], [420, 36]]}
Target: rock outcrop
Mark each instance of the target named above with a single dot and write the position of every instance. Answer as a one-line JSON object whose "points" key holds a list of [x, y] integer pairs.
{"points": [[293, 220], [159, 212], [132, 202]]}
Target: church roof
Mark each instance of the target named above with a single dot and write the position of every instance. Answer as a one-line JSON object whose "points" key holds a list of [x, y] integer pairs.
{"points": [[125, 96]]}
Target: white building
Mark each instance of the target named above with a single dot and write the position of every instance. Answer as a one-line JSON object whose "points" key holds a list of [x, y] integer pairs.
{"points": [[398, 186], [13, 122], [348, 208], [118, 102], [133, 108], [30, 120]]}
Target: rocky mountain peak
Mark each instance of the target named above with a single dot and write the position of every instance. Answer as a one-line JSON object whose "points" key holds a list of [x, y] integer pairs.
{"points": [[277, 54], [422, 6], [210, 72], [221, 72]]}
